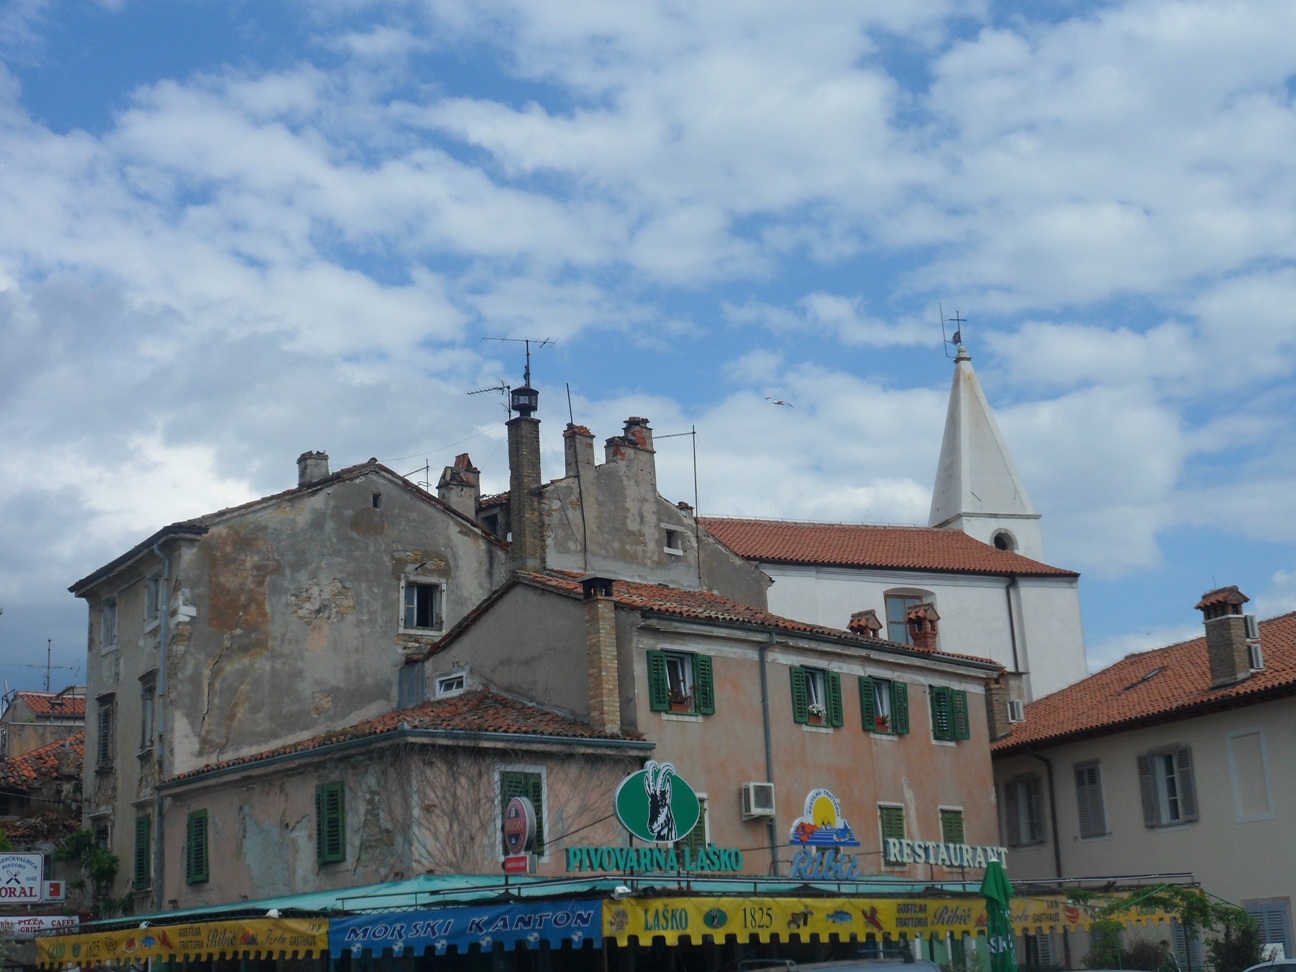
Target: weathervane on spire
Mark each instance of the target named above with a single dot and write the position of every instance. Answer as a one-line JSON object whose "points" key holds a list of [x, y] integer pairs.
{"points": [[958, 322]]}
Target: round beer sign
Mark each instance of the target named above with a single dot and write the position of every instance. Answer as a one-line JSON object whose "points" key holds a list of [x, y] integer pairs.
{"points": [[519, 825], [656, 805]]}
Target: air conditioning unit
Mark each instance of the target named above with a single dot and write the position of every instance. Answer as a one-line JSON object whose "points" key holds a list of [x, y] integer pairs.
{"points": [[1252, 629], [757, 800], [1016, 710]]}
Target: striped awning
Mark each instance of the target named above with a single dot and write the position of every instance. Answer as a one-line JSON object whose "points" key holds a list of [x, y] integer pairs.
{"points": [[246, 938]]}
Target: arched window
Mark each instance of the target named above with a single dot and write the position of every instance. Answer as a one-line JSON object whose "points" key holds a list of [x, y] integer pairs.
{"points": [[898, 603]]}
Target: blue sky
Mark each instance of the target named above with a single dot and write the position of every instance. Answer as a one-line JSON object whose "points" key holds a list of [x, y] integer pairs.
{"points": [[233, 232]]}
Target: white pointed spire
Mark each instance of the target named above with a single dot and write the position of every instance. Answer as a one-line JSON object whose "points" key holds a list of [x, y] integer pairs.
{"points": [[977, 487]]}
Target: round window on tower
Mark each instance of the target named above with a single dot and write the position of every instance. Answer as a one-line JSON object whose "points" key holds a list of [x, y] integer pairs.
{"points": [[1004, 540]]}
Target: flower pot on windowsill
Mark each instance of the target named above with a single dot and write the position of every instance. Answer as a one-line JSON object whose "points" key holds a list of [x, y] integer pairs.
{"points": [[882, 724], [817, 718], [685, 706]]}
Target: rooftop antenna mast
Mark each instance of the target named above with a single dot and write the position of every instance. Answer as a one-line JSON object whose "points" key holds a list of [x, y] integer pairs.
{"points": [[502, 387], [514, 399], [957, 338]]}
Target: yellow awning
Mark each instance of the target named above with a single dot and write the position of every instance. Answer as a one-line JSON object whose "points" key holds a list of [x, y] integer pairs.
{"points": [[253, 937]]}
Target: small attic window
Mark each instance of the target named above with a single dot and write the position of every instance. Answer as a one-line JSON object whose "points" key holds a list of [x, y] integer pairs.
{"points": [[448, 685], [1149, 675], [1003, 540], [674, 541], [377, 501]]}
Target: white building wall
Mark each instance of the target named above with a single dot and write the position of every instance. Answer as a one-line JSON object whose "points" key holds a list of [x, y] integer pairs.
{"points": [[974, 611], [1240, 847]]}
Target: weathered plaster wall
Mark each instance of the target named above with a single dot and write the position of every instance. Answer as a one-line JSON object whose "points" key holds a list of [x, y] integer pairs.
{"points": [[297, 622], [411, 807]]}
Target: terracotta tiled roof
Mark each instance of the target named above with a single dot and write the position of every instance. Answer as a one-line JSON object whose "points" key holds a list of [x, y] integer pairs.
{"points": [[865, 545], [475, 712], [706, 606], [53, 704], [62, 757], [1163, 684]]}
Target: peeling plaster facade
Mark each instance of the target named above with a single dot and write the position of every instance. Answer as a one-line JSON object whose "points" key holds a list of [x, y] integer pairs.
{"points": [[281, 619], [417, 803]]}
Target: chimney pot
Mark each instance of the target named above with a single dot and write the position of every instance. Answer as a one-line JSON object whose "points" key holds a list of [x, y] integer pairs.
{"points": [[865, 623], [923, 621], [1226, 643]]}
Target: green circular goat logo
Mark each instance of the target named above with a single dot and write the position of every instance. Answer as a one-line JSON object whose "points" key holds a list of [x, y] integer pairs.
{"points": [[656, 805]]}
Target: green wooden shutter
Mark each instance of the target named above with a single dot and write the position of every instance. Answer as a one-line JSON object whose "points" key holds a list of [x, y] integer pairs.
{"points": [[900, 708], [832, 689], [330, 823], [695, 839], [658, 687], [800, 707], [868, 715], [952, 826], [703, 685], [962, 724], [196, 858], [143, 851], [942, 720], [893, 822]]}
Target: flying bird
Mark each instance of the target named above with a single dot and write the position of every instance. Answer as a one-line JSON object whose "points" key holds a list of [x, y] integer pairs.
{"points": [[779, 401]]}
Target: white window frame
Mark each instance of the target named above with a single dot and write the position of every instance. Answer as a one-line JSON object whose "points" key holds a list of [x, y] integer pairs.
{"points": [[108, 618], [679, 675], [1168, 791], [451, 684], [1026, 835], [816, 685], [882, 700], [908, 594], [673, 533], [432, 582]]}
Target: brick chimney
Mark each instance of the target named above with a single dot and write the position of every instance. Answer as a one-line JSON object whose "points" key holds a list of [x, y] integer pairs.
{"points": [[578, 447], [1226, 640], [526, 549], [996, 702], [865, 623], [923, 622], [601, 653], [634, 446], [460, 486], [312, 467]]}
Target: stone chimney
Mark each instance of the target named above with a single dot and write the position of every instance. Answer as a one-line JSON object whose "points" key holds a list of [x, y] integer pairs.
{"points": [[634, 447], [996, 702], [923, 621], [526, 549], [578, 446], [1226, 635], [460, 486], [865, 623], [312, 467], [601, 653]]}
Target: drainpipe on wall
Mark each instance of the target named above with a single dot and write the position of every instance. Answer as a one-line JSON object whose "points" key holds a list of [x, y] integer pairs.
{"points": [[769, 751], [1012, 621], [1057, 845], [159, 723]]}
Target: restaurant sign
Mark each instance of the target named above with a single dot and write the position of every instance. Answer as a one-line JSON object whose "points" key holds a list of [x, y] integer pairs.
{"points": [[23, 927], [897, 851], [20, 878]]}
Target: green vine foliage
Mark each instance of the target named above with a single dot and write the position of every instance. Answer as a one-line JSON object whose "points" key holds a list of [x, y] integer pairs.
{"points": [[98, 864], [5, 843], [1231, 936]]}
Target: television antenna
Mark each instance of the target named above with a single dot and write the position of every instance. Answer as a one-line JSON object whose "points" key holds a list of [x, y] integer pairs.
{"points": [[957, 338], [502, 387], [539, 343]]}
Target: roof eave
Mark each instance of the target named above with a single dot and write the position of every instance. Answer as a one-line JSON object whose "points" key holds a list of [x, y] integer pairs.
{"points": [[186, 530]]}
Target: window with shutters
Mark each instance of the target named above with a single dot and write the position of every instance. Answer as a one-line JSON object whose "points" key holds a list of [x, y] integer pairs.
{"points": [[697, 838], [949, 713], [1038, 950], [330, 823], [1023, 803], [524, 782], [816, 697], [1273, 920], [421, 603], [1188, 951], [1167, 788], [107, 725], [152, 600], [891, 823], [148, 696], [1089, 800], [197, 861], [884, 705], [680, 681], [951, 825], [143, 852]]}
